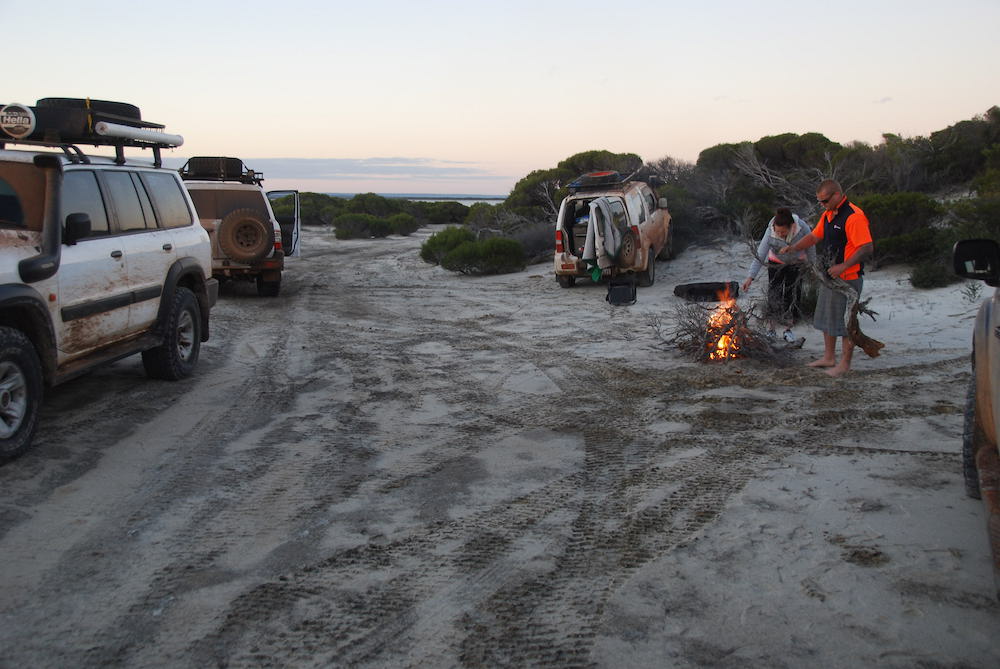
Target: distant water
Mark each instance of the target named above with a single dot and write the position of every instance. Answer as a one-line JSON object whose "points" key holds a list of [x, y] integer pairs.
{"points": [[467, 199]]}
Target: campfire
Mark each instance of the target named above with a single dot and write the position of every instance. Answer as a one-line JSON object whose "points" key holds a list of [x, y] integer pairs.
{"points": [[720, 332], [725, 330]]}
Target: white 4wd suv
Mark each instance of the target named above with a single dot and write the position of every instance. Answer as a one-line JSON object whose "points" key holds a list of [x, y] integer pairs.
{"points": [[100, 257], [248, 242], [980, 259], [637, 225]]}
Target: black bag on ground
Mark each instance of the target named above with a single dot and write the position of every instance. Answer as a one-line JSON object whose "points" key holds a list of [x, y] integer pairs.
{"points": [[707, 291], [621, 290]]}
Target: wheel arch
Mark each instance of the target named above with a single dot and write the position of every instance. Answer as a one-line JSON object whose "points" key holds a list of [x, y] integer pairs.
{"points": [[186, 273], [23, 308]]}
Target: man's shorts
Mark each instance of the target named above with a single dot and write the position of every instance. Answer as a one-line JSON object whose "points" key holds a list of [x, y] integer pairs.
{"points": [[831, 307]]}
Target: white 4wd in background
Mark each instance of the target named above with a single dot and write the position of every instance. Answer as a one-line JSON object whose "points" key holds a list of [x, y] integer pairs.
{"points": [[249, 243], [980, 259], [630, 211], [100, 257]]}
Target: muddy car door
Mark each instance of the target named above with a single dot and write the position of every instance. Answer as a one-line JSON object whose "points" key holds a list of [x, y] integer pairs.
{"points": [[149, 251], [93, 295], [651, 230], [285, 204]]}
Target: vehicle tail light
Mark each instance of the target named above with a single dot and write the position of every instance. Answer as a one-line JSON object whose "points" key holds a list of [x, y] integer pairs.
{"points": [[559, 241], [277, 243], [635, 231]]}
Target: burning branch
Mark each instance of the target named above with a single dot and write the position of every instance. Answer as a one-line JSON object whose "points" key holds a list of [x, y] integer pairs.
{"points": [[719, 333]]}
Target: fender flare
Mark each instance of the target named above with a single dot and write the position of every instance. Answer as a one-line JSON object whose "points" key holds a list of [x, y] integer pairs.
{"points": [[185, 272], [23, 307]]}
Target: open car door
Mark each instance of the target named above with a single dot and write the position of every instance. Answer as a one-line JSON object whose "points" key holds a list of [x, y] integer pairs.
{"points": [[285, 204]]}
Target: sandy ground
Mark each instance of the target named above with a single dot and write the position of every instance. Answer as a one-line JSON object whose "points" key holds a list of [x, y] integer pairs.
{"points": [[392, 465]]}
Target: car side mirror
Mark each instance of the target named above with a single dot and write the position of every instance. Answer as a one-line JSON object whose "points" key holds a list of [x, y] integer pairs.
{"points": [[977, 259], [662, 203], [77, 228]]}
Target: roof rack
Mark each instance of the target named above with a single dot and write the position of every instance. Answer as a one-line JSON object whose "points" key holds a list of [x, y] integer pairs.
{"points": [[64, 122], [596, 180], [219, 168]]}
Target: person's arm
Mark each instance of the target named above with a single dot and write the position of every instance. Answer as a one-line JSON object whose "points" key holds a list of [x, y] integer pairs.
{"points": [[757, 260], [804, 243], [864, 252]]}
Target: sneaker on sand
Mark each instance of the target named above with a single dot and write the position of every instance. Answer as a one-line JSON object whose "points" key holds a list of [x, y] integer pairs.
{"points": [[788, 336]]}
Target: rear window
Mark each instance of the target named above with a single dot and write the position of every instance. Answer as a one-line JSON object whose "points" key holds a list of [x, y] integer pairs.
{"points": [[131, 215], [22, 196], [168, 199], [217, 203]]}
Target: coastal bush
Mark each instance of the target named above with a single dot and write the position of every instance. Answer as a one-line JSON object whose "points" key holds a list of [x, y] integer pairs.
{"points": [[915, 246], [537, 240], [376, 205], [933, 274], [481, 214], [446, 212], [488, 256], [892, 214], [440, 243], [360, 226], [977, 217], [402, 224]]}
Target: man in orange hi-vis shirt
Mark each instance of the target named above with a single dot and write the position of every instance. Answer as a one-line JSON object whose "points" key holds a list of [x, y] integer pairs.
{"points": [[846, 243]]}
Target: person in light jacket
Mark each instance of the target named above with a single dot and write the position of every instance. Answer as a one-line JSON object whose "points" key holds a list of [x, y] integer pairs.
{"points": [[784, 270]]}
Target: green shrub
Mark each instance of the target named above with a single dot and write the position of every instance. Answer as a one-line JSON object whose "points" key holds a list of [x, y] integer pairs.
{"points": [[933, 274], [978, 217], [440, 243], [482, 214], [376, 205], [360, 226], [497, 255], [916, 246], [892, 214], [402, 224], [447, 212], [379, 227]]}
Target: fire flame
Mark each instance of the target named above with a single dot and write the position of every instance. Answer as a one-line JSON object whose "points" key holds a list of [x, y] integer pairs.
{"points": [[726, 346]]}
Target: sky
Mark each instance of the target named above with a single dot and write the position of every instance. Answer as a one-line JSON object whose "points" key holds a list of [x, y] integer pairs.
{"points": [[440, 96]]}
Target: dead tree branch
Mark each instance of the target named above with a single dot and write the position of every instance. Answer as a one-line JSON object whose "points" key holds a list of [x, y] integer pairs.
{"points": [[691, 331]]}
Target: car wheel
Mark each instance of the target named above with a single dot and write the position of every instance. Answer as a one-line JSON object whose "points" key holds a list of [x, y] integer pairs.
{"points": [[648, 276], [565, 280], [969, 432], [268, 288], [20, 392], [245, 235], [177, 356]]}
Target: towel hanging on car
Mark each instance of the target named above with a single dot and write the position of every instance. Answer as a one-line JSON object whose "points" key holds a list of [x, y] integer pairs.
{"points": [[604, 240]]}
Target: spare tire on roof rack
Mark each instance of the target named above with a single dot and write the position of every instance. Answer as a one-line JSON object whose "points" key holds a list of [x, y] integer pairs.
{"points": [[79, 120], [121, 109]]}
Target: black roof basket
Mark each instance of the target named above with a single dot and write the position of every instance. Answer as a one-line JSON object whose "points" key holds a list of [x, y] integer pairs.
{"points": [[596, 180], [65, 122], [219, 168]]}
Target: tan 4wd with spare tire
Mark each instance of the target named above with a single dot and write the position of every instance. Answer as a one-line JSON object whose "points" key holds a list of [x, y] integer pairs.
{"points": [[249, 243], [245, 235]]}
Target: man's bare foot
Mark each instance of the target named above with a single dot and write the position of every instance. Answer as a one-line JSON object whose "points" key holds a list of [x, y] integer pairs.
{"points": [[822, 362], [839, 370]]}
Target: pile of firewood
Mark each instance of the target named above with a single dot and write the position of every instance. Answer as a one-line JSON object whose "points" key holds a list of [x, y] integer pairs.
{"points": [[694, 331]]}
